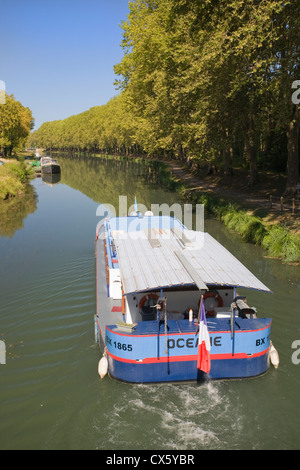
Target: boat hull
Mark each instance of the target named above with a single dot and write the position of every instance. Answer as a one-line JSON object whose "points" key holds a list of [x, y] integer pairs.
{"points": [[51, 169], [148, 355], [187, 371]]}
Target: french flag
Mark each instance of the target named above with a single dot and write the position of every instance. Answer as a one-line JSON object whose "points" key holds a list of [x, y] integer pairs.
{"points": [[203, 360]]}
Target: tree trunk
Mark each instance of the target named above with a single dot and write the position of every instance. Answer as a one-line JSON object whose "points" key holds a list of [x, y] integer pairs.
{"points": [[293, 153], [227, 161], [180, 152], [250, 152], [227, 153]]}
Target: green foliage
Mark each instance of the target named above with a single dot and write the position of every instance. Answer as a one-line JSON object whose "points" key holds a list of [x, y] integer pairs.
{"points": [[212, 80], [275, 239], [281, 243], [20, 171], [9, 186], [108, 128], [15, 124], [251, 228], [13, 175]]}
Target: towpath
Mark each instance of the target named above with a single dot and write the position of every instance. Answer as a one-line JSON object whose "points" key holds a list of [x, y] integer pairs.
{"points": [[258, 204]]}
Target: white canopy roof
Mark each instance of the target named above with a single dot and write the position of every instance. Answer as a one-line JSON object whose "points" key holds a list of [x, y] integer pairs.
{"points": [[160, 258]]}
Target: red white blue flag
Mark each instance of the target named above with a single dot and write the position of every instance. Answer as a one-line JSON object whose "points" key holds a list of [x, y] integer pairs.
{"points": [[203, 361]]}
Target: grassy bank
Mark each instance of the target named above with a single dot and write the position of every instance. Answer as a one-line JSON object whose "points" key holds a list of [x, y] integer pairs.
{"points": [[13, 177], [278, 241]]}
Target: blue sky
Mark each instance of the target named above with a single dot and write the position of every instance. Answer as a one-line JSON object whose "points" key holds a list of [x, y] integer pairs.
{"points": [[57, 56]]}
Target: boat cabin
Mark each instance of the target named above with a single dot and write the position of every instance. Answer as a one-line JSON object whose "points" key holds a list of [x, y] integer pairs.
{"points": [[158, 268]]}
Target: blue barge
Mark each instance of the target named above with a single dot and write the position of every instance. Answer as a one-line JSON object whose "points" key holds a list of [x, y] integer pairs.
{"points": [[151, 274]]}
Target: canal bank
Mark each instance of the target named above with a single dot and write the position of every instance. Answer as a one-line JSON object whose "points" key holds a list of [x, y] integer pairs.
{"points": [[277, 233], [18, 198], [14, 177]]}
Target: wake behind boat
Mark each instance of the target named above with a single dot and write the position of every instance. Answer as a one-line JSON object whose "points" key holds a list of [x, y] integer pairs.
{"points": [[166, 297], [49, 166]]}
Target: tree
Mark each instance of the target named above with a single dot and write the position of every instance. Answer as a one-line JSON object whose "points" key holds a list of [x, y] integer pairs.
{"points": [[286, 69], [15, 124], [206, 75]]}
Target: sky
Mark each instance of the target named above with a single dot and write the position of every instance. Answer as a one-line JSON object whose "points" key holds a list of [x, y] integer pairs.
{"points": [[57, 56]]}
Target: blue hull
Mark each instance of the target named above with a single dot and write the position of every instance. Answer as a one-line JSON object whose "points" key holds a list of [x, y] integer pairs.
{"points": [[187, 371], [145, 357]]}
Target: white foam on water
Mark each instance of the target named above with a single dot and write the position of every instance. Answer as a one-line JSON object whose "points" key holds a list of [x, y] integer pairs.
{"points": [[169, 416]]}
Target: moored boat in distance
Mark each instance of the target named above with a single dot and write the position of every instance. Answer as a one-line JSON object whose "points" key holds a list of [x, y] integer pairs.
{"points": [[154, 280], [49, 166]]}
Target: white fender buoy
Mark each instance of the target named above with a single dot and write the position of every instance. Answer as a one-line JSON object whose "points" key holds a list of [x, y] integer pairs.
{"points": [[103, 366], [273, 355]]}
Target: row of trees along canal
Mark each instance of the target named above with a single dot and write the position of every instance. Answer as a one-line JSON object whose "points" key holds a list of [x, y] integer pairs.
{"points": [[202, 82]]}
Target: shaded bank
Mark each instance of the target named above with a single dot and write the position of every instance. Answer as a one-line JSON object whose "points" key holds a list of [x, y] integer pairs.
{"points": [[277, 240]]}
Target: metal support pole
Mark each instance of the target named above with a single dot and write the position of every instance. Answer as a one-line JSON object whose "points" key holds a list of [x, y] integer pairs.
{"points": [[232, 323]]}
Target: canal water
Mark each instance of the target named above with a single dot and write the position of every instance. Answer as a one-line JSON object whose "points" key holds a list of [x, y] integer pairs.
{"points": [[51, 396]]}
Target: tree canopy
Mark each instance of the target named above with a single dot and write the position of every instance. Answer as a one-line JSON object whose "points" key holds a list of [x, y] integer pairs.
{"points": [[15, 124], [203, 82]]}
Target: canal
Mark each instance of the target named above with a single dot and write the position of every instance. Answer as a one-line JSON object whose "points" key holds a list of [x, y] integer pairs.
{"points": [[51, 396]]}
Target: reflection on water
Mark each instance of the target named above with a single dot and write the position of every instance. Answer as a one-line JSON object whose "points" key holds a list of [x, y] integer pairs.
{"points": [[51, 180], [105, 179], [13, 211]]}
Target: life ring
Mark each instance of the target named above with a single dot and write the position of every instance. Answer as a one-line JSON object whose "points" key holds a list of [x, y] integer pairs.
{"points": [[145, 298], [217, 297]]}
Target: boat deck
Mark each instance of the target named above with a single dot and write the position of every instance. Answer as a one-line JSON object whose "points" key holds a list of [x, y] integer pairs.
{"points": [[148, 328]]}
